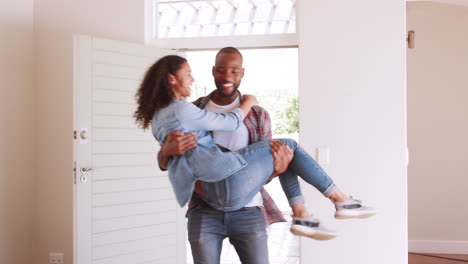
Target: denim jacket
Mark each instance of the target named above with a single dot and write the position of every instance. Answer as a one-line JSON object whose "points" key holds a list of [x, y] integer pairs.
{"points": [[206, 162]]}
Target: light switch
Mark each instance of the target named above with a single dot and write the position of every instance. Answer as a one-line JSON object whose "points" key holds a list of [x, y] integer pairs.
{"points": [[323, 155]]}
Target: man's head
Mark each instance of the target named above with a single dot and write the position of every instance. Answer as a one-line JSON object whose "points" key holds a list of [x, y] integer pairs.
{"points": [[228, 71]]}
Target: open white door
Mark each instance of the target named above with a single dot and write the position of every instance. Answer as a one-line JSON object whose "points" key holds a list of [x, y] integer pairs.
{"points": [[124, 208]]}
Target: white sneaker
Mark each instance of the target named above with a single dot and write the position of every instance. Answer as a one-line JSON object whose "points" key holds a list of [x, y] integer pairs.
{"points": [[353, 208], [311, 227]]}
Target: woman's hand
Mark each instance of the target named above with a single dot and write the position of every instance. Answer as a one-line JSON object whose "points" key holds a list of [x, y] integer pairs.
{"points": [[247, 103], [250, 99]]}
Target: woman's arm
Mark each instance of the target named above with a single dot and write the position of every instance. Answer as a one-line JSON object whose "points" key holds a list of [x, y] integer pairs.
{"points": [[194, 118], [247, 103]]}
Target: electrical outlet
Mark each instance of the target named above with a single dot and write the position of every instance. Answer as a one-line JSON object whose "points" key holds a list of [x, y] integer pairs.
{"points": [[55, 258]]}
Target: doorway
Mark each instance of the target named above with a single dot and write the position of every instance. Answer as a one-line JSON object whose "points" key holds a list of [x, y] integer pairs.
{"points": [[271, 75]]}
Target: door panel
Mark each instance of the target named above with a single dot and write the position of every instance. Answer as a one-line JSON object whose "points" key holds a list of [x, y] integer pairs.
{"points": [[124, 208]]}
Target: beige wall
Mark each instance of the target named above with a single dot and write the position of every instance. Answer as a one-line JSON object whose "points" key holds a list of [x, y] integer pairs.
{"points": [[438, 123], [17, 131], [352, 95], [55, 23]]}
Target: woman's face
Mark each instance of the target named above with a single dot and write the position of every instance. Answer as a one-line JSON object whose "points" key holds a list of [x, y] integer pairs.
{"points": [[181, 81]]}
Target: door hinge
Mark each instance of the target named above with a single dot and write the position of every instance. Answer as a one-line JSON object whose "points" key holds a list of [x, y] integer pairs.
{"points": [[410, 39], [74, 172]]}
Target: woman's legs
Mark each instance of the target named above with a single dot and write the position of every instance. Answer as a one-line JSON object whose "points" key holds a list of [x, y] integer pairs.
{"points": [[309, 170], [338, 196], [299, 210], [290, 184], [304, 166], [305, 224], [235, 191]]}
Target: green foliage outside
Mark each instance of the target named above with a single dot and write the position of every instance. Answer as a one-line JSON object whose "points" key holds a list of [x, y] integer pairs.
{"points": [[283, 107], [287, 119]]}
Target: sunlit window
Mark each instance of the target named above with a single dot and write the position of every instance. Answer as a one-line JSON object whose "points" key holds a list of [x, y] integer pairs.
{"points": [[206, 18]]}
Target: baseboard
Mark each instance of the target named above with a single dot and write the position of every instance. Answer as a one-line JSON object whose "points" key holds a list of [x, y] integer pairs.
{"points": [[438, 246]]}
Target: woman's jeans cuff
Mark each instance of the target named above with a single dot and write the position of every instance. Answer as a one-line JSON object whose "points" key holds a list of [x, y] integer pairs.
{"points": [[296, 200], [330, 190]]}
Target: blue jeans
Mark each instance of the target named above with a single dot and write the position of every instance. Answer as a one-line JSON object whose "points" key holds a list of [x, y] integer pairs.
{"points": [[246, 229], [236, 190]]}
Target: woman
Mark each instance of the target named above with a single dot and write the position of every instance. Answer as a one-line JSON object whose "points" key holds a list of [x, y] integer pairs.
{"points": [[239, 174]]}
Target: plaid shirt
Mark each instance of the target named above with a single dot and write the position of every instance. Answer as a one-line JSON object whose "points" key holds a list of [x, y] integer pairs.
{"points": [[258, 124]]}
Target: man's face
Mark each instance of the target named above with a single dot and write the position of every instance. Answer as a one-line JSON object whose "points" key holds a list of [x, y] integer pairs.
{"points": [[228, 73]]}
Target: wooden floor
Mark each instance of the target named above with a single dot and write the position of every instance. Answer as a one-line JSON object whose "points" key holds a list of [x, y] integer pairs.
{"points": [[417, 258]]}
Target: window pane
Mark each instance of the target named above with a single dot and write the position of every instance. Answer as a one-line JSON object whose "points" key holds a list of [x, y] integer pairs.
{"points": [[224, 17]]}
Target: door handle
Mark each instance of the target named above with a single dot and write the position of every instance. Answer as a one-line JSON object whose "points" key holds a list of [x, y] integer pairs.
{"points": [[86, 169]]}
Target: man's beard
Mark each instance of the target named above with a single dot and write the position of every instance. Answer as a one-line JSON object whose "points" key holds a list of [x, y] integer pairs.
{"points": [[227, 95]]}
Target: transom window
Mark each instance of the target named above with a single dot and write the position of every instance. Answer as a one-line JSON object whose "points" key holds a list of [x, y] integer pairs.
{"points": [[207, 18]]}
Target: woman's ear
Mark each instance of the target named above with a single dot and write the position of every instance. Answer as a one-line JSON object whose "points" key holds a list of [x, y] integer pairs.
{"points": [[171, 78]]}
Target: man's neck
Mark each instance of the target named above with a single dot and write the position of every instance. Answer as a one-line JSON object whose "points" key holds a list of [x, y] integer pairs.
{"points": [[220, 100]]}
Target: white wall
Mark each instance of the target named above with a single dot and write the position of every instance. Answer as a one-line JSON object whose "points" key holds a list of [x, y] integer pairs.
{"points": [[438, 128], [17, 131], [352, 80], [55, 23], [352, 92]]}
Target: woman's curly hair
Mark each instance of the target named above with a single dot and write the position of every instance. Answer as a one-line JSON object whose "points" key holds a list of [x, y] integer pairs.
{"points": [[155, 91]]}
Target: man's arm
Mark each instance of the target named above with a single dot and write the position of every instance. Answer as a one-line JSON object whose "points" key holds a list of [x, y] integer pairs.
{"points": [[282, 156], [259, 126], [177, 143], [264, 123]]}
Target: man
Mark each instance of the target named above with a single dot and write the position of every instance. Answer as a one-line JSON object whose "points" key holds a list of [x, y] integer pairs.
{"points": [[246, 227]]}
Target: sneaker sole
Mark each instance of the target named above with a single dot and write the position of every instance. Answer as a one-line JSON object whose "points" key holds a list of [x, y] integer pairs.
{"points": [[350, 216], [299, 230]]}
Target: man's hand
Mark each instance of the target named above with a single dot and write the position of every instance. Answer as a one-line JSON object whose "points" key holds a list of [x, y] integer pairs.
{"points": [[282, 156], [177, 143]]}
